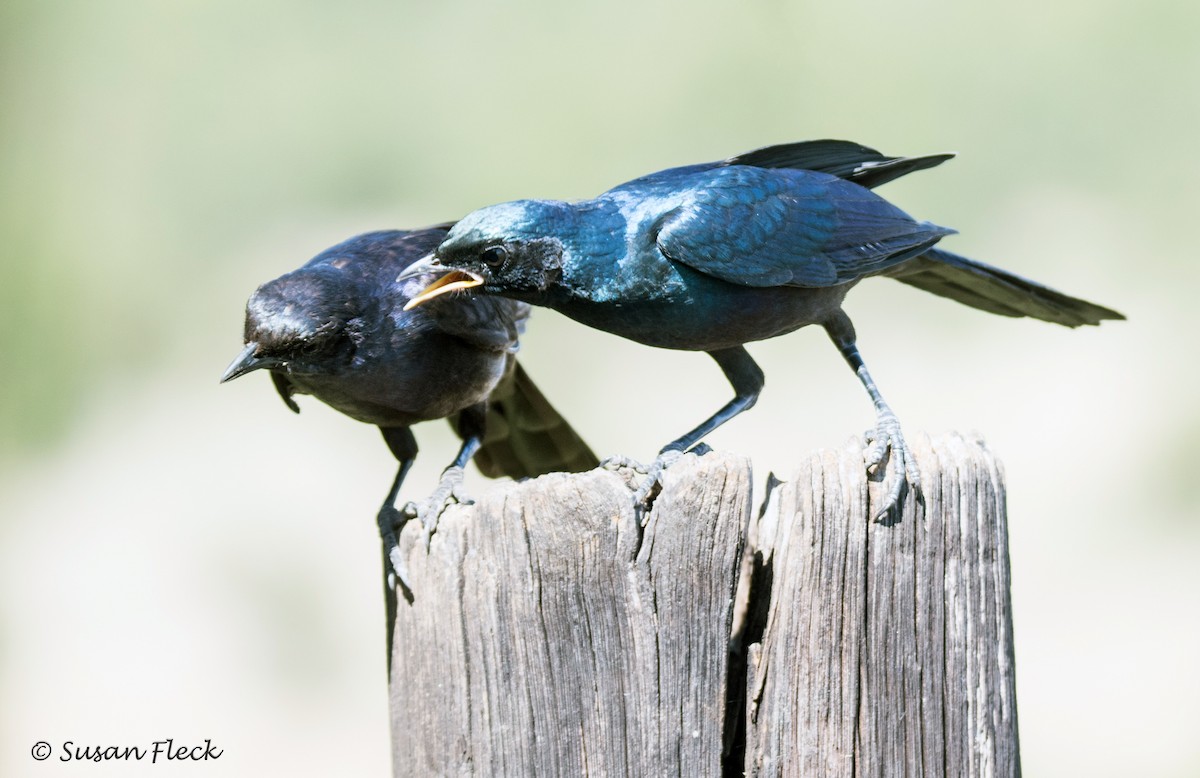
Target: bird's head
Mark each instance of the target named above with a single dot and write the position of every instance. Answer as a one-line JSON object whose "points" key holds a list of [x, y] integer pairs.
{"points": [[303, 322], [511, 249]]}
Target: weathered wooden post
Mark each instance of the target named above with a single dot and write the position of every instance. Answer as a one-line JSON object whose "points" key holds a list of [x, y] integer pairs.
{"points": [[551, 634], [884, 649]]}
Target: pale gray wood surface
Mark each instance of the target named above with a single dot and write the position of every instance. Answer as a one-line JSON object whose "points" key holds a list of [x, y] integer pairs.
{"points": [[887, 647], [550, 635]]}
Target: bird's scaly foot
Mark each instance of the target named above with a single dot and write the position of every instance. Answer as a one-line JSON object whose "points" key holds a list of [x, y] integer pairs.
{"points": [[619, 462], [651, 481], [885, 436], [448, 492], [390, 522], [652, 473]]}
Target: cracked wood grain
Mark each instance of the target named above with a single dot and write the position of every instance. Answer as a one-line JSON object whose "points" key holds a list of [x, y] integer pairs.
{"points": [[885, 649], [550, 634]]}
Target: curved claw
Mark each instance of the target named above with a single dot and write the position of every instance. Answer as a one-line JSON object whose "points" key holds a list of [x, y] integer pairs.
{"points": [[619, 462], [399, 569], [449, 491], [390, 522], [654, 473], [884, 437]]}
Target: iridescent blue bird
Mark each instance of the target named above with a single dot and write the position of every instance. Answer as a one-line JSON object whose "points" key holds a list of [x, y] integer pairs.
{"points": [[711, 256]]}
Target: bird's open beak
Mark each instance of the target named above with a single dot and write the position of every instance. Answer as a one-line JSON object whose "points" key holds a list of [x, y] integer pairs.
{"points": [[423, 266], [452, 281], [246, 362]]}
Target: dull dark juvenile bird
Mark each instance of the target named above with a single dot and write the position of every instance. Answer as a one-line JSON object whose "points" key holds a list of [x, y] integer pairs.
{"points": [[712, 256], [337, 329]]}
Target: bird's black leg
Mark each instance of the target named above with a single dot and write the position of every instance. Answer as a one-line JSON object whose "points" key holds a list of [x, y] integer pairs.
{"points": [[747, 379], [391, 520], [404, 446], [471, 426], [886, 434]]}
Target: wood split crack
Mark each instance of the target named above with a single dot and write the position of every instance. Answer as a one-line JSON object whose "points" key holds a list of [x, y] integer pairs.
{"points": [[599, 645]]}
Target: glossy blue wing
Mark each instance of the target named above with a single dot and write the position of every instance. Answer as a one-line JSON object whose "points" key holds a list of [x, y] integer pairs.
{"points": [[759, 227]]}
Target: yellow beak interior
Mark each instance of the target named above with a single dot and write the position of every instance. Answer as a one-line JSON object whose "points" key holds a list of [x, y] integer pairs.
{"points": [[454, 280]]}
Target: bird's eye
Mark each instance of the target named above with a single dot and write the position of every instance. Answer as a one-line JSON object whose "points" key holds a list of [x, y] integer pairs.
{"points": [[494, 256]]}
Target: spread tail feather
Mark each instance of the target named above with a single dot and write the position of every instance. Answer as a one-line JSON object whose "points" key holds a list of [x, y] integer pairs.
{"points": [[996, 291], [526, 437]]}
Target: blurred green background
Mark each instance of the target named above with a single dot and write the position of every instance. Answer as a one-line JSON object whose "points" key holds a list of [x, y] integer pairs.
{"points": [[182, 560]]}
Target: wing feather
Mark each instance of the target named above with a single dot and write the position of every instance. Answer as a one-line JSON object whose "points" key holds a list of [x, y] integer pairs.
{"points": [[773, 227]]}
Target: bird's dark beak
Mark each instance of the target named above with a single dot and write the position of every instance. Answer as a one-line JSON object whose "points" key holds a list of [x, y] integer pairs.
{"points": [[246, 362], [451, 281], [423, 266]]}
